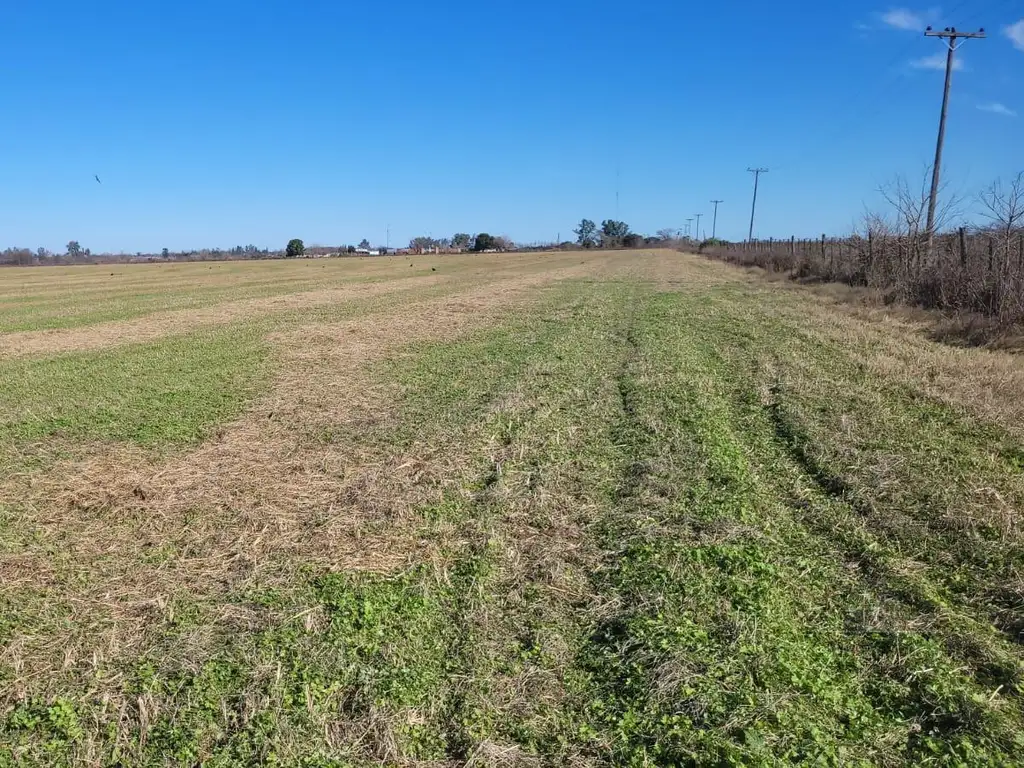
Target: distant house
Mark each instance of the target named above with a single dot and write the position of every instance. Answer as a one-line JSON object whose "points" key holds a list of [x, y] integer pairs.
{"points": [[368, 251]]}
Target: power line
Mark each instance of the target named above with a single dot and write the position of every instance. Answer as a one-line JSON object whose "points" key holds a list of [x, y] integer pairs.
{"points": [[753, 206], [616, 191], [870, 94], [950, 36]]}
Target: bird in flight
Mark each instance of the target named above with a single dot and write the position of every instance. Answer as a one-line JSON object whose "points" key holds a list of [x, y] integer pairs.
{"points": [[97, 179]]}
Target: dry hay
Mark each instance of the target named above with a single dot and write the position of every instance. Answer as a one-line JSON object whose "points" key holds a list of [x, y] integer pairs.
{"points": [[116, 537], [159, 324]]}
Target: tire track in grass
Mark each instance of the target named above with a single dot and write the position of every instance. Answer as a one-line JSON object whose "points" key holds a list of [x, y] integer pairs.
{"points": [[736, 610], [830, 507], [977, 668], [993, 662], [934, 480], [556, 454], [930, 567]]}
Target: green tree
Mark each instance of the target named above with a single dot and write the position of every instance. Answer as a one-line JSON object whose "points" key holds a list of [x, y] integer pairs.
{"points": [[484, 242], [586, 233], [295, 248], [461, 240], [364, 243], [74, 249], [613, 233], [422, 243]]}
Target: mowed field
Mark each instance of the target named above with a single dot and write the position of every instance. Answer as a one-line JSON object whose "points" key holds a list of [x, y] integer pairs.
{"points": [[625, 508]]}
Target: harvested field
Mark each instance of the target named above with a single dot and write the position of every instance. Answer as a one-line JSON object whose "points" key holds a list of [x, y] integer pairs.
{"points": [[609, 508]]}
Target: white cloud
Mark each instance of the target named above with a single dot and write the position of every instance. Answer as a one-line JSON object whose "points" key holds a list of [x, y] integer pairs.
{"points": [[997, 109], [904, 18], [936, 61], [1016, 34]]}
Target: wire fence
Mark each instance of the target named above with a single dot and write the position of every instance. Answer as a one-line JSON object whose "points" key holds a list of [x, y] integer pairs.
{"points": [[963, 271]]}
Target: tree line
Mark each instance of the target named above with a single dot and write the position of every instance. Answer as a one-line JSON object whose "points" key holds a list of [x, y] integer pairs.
{"points": [[462, 241], [610, 234]]}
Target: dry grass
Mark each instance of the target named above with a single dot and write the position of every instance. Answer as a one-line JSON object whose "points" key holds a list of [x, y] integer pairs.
{"points": [[896, 343], [120, 533], [360, 280], [606, 482], [159, 324]]}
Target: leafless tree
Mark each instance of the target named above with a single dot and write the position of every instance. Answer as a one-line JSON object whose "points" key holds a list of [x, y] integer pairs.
{"points": [[910, 205], [1004, 206]]}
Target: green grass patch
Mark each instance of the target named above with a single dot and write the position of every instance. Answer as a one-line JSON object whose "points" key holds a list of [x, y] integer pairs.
{"points": [[168, 392]]}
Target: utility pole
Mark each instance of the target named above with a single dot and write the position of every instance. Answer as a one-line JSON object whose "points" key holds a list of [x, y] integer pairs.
{"points": [[753, 206], [949, 36], [714, 221], [616, 191], [697, 235], [688, 227]]}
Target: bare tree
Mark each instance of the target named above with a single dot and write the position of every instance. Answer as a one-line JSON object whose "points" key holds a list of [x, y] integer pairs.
{"points": [[910, 205], [1005, 207]]}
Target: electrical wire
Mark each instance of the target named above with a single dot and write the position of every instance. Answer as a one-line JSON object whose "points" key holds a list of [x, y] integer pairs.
{"points": [[876, 92]]}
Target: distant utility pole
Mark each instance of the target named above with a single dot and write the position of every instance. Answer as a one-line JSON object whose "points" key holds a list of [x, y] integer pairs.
{"points": [[949, 36], [698, 215], [688, 227], [753, 206], [616, 191], [714, 221]]}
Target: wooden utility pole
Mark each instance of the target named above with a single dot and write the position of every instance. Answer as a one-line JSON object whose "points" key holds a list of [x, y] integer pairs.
{"points": [[697, 234], [688, 227], [714, 221], [753, 206], [949, 36]]}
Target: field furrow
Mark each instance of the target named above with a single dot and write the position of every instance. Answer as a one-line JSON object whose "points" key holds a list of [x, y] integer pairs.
{"points": [[625, 508]]}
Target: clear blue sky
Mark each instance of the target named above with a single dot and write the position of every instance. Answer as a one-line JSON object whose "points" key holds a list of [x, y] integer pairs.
{"points": [[224, 123]]}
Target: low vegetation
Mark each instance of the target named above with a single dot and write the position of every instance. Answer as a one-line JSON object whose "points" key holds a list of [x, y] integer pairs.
{"points": [[602, 508], [965, 272]]}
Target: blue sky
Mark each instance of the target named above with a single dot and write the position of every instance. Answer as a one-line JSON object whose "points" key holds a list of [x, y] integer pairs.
{"points": [[225, 123]]}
